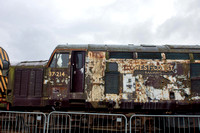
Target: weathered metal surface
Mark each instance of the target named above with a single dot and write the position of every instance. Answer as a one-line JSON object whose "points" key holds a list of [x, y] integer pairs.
{"points": [[57, 85], [133, 48], [128, 83], [94, 75], [32, 63], [145, 83], [141, 80], [28, 87]]}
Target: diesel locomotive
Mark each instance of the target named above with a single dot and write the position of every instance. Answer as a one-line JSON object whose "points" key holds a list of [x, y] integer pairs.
{"points": [[4, 66], [107, 77]]}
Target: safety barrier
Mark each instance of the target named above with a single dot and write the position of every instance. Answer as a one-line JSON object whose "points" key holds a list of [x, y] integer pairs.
{"points": [[165, 123], [81, 122], [22, 122], [77, 122]]}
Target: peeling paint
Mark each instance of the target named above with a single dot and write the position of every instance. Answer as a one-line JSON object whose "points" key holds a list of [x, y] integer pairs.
{"points": [[95, 72], [143, 80], [128, 83]]}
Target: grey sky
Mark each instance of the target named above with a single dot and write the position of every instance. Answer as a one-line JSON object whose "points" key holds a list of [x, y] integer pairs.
{"points": [[31, 29]]}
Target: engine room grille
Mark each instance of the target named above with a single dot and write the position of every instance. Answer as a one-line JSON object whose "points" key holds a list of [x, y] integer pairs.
{"points": [[28, 82]]}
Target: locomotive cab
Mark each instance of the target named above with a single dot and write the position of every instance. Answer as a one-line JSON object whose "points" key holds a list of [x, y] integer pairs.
{"points": [[64, 78]]}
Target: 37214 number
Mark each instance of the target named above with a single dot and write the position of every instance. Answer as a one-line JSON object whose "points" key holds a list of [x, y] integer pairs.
{"points": [[57, 74]]}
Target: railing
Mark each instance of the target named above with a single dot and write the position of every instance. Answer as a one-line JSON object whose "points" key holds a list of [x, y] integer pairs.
{"points": [[165, 123], [81, 122], [77, 122], [22, 122]]}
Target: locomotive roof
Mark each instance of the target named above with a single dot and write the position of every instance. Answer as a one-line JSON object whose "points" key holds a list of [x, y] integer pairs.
{"points": [[133, 48], [32, 63]]}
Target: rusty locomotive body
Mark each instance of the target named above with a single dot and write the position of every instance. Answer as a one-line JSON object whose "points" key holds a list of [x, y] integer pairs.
{"points": [[116, 77]]}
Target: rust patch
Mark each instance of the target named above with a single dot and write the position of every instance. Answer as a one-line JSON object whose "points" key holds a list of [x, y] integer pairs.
{"points": [[140, 81], [156, 81], [94, 74]]}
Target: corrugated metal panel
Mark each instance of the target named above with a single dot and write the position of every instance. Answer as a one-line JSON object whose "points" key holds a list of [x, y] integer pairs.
{"points": [[31, 84], [28, 82], [24, 83], [39, 83], [17, 84]]}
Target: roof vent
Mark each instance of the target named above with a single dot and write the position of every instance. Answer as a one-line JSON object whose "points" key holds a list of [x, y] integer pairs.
{"points": [[146, 45]]}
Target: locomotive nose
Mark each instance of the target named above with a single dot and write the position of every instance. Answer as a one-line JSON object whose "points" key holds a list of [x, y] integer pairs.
{"points": [[4, 67]]}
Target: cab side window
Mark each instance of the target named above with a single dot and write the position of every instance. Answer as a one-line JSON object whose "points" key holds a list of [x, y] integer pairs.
{"points": [[60, 60]]}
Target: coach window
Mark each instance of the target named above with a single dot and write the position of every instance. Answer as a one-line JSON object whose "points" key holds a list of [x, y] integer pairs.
{"points": [[196, 56], [60, 60], [121, 55], [177, 56], [79, 60], [148, 55]]}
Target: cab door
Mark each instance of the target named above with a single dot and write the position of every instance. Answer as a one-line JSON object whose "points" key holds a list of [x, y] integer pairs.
{"points": [[78, 71], [57, 79]]}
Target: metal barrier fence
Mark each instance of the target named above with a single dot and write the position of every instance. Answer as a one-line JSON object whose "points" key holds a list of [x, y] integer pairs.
{"points": [[165, 123], [76, 122], [81, 122], [22, 122]]}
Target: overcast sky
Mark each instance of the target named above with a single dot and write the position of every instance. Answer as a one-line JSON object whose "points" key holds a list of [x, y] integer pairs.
{"points": [[31, 29]]}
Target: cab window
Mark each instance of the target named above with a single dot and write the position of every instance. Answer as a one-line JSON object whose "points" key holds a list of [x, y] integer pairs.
{"points": [[60, 60]]}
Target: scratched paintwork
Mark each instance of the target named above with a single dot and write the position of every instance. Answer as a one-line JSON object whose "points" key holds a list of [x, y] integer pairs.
{"points": [[143, 80]]}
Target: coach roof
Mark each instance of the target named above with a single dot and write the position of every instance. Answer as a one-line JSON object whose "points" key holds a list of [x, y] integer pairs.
{"points": [[133, 48]]}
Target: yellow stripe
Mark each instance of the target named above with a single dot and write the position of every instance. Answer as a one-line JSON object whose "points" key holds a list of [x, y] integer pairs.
{"points": [[1, 64], [6, 80], [1, 73], [5, 55], [1, 54], [1, 87], [2, 79]]}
